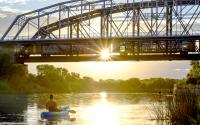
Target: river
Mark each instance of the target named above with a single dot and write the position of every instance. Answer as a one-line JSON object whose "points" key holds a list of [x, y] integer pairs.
{"points": [[91, 109]]}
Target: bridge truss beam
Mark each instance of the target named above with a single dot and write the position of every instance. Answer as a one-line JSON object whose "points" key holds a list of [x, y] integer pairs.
{"points": [[168, 28], [106, 19]]}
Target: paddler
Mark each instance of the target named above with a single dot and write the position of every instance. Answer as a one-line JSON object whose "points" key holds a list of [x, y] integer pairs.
{"points": [[51, 105]]}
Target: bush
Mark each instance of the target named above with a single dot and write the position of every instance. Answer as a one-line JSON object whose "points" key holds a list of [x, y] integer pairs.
{"points": [[180, 109], [4, 87], [5, 65]]}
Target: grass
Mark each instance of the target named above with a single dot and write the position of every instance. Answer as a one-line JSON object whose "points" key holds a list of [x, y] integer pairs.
{"points": [[180, 109]]}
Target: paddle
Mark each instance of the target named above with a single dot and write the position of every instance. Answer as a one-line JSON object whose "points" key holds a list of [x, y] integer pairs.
{"points": [[68, 109], [72, 119], [72, 111]]}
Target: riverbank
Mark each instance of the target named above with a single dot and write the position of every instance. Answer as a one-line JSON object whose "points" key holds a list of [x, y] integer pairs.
{"points": [[15, 78], [59, 80], [87, 85]]}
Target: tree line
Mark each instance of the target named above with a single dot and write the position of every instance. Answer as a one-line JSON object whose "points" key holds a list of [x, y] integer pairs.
{"points": [[14, 78]]}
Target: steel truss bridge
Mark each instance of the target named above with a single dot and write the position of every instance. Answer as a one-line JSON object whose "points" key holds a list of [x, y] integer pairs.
{"points": [[77, 30]]}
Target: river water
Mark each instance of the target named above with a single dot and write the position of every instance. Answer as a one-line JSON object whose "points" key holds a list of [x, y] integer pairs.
{"points": [[91, 109]]}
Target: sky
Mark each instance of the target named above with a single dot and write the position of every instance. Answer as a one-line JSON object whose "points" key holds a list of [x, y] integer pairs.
{"points": [[97, 70], [124, 70]]}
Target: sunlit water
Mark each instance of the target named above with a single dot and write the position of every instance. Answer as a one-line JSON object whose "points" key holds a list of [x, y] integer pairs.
{"points": [[91, 109]]}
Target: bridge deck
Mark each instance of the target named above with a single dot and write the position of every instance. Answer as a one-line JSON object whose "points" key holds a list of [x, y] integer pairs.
{"points": [[112, 58], [116, 39]]}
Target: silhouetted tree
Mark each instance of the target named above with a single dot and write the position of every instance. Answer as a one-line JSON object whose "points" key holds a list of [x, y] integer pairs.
{"points": [[193, 76], [55, 79], [15, 77], [5, 65]]}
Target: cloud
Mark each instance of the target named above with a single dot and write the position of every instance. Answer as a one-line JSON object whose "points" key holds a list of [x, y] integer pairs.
{"points": [[5, 23], [178, 70], [7, 15], [13, 1], [7, 10], [18, 1]]}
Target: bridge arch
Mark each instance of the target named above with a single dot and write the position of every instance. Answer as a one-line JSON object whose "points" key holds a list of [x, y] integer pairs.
{"points": [[107, 19]]}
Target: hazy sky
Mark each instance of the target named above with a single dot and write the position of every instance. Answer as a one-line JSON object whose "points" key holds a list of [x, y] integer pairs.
{"points": [[98, 70], [124, 70]]}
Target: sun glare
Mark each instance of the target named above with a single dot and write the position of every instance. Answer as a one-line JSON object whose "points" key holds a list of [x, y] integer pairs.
{"points": [[105, 54], [103, 94], [102, 113]]}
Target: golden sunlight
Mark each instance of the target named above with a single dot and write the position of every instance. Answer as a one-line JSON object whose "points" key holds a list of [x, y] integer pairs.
{"points": [[105, 54], [104, 114], [103, 94]]}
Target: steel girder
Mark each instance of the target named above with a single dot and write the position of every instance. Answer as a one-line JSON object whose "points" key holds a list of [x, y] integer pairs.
{"points": [[134, 16]]}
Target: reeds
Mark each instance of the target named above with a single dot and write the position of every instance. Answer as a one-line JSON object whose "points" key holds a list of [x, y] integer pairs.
{"points": [[180, 109]]}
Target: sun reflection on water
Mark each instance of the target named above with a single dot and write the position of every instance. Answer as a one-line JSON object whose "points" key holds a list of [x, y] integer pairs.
{"points": [[102, 113], [94, 109], [103, 95]]}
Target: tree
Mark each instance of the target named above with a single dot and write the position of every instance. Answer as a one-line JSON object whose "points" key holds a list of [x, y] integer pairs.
{"points": [[5, 65], [193, 76], [19, 70], [55, 79]]}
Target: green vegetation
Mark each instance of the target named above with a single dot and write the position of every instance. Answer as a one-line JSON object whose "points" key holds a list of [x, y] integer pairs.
{"points": [[15, 78], [180, 109], [183, 108], [51, 79], [193, 76]]}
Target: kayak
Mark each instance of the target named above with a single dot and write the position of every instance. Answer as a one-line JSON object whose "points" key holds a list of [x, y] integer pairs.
{"points": [[62, 115], [56, 116]]}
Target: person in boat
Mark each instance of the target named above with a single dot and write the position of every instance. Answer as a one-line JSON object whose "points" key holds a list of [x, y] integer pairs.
{"points": [[51, 105]]}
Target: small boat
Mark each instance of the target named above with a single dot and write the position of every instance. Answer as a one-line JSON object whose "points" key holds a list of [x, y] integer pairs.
{"points": [[57, 116]]}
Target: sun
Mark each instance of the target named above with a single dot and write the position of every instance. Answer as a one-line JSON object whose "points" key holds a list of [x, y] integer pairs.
{"points": [[105, 54]]}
